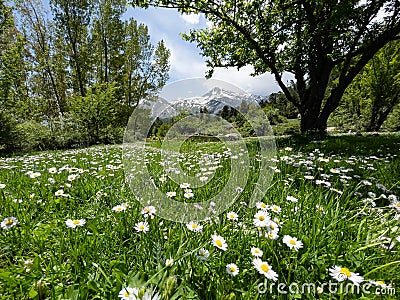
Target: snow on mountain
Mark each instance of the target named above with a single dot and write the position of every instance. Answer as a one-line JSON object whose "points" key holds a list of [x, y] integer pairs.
{"points": [[214, 100]]}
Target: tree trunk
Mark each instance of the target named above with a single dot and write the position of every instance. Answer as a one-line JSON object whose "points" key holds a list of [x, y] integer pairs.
{"points": [[312, 122]]}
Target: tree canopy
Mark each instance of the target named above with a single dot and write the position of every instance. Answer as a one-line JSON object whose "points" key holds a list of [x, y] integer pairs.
{"points": [[60, 67], [374, 93], [324, 44]]}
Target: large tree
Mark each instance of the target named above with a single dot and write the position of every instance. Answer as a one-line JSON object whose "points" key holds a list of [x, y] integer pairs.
{"points": [[308, 38], [374, 93], [45, 83], [108, 40], [381, 79], [145, 68], [13, 67], [72, 19]]}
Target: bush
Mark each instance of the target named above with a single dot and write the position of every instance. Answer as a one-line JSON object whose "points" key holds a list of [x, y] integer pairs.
{"points": [[67, 132], [96, 113], [8, 130], [392, 123], [32, 136]]}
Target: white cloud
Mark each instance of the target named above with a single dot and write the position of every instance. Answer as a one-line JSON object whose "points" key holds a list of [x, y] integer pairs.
{"points": [[191, 18], [264, 84]]}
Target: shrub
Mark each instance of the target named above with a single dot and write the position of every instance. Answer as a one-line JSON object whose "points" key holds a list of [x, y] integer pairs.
{"points": [[8, 130]]}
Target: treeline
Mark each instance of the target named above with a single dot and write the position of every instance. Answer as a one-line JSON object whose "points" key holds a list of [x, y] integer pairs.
{"points": [[275, 107], [71, 76]]}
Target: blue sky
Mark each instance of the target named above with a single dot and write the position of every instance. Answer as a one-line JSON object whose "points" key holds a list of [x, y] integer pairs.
{"points": [[186, 61]]}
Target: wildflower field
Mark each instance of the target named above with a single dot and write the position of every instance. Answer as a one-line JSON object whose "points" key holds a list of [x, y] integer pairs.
{"points": [[71, 227]]}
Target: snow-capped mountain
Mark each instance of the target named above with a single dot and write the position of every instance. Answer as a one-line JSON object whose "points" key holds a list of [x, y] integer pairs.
{"points": [[214, 101]]}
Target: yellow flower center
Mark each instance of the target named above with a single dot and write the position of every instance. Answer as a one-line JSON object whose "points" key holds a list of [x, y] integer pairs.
{"points": [[126, 294], [194, 226], [232, 269], [141, 227], [272, 227], [261, 218], [292, 242], [9, 222], [263, 205], [380, 282], [219, 243], [398, 204], [76, 222], [119, 208], [345, 271], [264, 267]]}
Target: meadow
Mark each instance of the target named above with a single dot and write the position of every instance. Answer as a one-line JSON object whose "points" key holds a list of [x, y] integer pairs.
{"points": [[73, 229]]}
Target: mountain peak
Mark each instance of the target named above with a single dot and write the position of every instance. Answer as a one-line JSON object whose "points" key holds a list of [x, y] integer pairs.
{"points": [[214, 91]]}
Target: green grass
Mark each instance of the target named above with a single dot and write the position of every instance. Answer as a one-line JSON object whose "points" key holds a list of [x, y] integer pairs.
{"points": [[333, 220]]}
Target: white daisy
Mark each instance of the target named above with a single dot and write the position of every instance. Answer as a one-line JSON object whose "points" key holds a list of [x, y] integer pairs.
{"points": [[148, 211], [142, 227], [272, 235], [171, 194], [71, 177], [292, 199], [320, 209], [52, 170], [232, 216], [149, 295], [395, 204], [59, 193], [265, 269], [169, 262], [275, 208], [380, 283], [203, 178], [9, 222], [75, 223], [203, 254], [292, 242], [261, 218], [272, 226], [2, 185], [261, 205], [129, 294], [219, 242], [195, 227], [34, 175], [188, 195], [232, 269], [184, 185], [119, 208], [341, 274], [256, 252]]}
